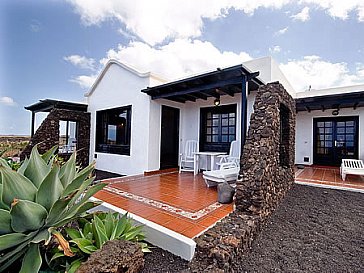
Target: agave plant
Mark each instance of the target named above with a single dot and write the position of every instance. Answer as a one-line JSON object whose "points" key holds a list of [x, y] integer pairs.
{"points": [[92, 232], [37, 199]]}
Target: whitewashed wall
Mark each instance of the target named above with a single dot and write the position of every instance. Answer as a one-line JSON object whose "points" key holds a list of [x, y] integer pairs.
{"points": [[304, 131], [120, 87]]}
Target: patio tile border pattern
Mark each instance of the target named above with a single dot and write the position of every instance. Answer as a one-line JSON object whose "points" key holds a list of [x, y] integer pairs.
{"points": [[190, 215]]}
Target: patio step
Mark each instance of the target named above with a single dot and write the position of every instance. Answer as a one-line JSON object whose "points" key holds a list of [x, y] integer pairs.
{"points": [[156, 234]]}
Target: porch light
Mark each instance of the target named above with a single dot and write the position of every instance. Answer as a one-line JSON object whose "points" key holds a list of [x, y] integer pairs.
{"points": [[217, 101], [335, 112]]}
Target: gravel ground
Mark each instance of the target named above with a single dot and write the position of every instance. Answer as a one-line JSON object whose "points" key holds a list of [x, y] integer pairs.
{"points": [[313, 230]]}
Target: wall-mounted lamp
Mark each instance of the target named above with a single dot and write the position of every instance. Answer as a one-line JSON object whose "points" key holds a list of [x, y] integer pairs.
{"points": [[217, 101], [335, 112]]}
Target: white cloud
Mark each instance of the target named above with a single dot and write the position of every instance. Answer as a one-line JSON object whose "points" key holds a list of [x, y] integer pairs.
{"points": [[340, 8], [7, 101], [303, 16], [177, 59], [281, 31], [155, 21], [275, 49], [314, 71], [81, 61], [84, 81]]}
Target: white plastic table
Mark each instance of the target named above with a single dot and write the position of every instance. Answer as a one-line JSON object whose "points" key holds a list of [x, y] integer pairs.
{"points": [[212, 156]]}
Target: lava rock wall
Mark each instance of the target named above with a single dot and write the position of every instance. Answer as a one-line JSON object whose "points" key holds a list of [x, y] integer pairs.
{"points": [[267, 172], [47, 134], [267, 164]]}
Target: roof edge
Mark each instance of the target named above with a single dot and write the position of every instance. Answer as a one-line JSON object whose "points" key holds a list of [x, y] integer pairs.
{"points": [[124, 66]]}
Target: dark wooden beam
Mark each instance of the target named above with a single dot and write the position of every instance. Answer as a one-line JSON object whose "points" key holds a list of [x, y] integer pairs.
{"points": [[199, 96], [355, 105], [180, 100], [198, 88], [308, 109], [323, 108], [189, 97], [227, 91], [252, 76], [32, 125]]}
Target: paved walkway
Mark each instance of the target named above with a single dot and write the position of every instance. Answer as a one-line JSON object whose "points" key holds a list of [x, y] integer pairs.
{"points": [[328, 176]]}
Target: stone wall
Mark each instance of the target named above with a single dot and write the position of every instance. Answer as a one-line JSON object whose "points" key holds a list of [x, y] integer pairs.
{"points": [[265, 175], [47, 134], [264, 179]]}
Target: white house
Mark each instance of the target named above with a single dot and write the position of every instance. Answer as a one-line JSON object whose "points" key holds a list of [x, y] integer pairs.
{"points": [[140, 122], [134, 131], [330, 125]]}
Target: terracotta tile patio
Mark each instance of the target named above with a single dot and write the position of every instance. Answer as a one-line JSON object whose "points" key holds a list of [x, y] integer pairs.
{"points": [[179, 202], [329, 176], [183, 203]]}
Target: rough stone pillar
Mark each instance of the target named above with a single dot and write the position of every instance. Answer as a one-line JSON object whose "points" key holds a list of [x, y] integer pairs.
{"points": [[47, 134], [267, 163]]}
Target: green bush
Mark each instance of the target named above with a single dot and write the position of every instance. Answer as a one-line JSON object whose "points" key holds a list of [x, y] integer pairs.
{"points": [[35, 201], [91, 233]]}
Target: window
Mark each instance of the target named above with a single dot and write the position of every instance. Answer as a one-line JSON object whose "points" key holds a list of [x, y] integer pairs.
{"points": [[218, 128], [67, 136], [113, 128]]}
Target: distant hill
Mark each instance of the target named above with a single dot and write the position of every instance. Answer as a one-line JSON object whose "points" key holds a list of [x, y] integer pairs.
{"points": [[12, 145]]}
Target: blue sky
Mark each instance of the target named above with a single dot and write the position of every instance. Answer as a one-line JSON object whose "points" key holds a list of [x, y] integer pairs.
{"points": [[55, 49]]}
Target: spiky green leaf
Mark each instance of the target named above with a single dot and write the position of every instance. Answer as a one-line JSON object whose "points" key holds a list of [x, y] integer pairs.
{"points": [[134, 234], [37, 169], [50, 189], [99, 231], [73, 233], [27, 215], [121, 226], [57, 210], [4, 163], [78, 180], [19, 247], [43, 235], [32, 260], [87, 229], [11, 259], [16, 186], [55, 256], [49, 154], [23, 166], [11, 239], [85, 245], [68, 171], [5, 222], [109, 225], [72, 214], [74, 266], [2, 204]]}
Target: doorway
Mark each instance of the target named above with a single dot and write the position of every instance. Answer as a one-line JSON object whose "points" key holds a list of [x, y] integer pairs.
{"points": [[335, 139], [169, 137]]}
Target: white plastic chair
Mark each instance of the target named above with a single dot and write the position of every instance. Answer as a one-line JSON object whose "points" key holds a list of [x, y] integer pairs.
{"points": [[351, 166], [187, 158], [233, 156]]}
